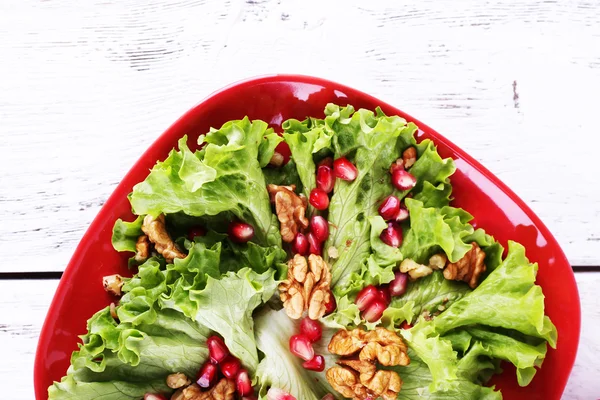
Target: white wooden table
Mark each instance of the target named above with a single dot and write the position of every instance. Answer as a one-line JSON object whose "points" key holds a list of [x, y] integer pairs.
{"points": [[86, 86]]}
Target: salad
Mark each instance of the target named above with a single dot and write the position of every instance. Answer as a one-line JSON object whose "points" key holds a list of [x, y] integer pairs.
{"points": [[326, 262]]}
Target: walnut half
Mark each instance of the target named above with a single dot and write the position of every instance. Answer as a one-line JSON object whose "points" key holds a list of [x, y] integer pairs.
{"points": [[306, 287], [157, 233], [469, 268], [290, 209], [359, 378]]}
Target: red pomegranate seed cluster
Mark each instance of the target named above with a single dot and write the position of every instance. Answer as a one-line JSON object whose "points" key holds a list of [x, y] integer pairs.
{"points": [[222, 362], [373, 300], [301, 345], [327, 171], [391, 208]]}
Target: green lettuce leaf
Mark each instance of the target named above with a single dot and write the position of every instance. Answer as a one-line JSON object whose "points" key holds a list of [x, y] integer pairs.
{"points": [[279, 367], [165, 315], [267, 146], [444, 229], [432, 294], [434, 372], [224, 177], [368, 140], [283, 176], [226, 306], [125, 234], [508, 298]]}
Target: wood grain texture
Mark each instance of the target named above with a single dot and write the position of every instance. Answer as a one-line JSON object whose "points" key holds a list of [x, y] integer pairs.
{"points": [[85, 87], [24, 304]]}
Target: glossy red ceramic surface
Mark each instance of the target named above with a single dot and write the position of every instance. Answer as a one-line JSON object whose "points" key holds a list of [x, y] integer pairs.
{"points": [[274, 99]]}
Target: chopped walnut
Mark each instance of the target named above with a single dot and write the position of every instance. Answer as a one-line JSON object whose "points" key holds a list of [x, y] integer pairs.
{"points": [[438, 261], [290, 209], [178, 380], [347, 342], [277, 159], [223, 390], [346, 382], [409, 156], [178, 395], [469, 268], [414, 269], [157, 234], [113, 311], [333, 252], [380, 345], [306, 287], [142, 249], [112, 284]]}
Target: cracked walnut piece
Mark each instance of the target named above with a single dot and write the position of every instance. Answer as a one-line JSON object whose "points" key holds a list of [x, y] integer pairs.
{"points": [[306, 287], [380, 345], [175, 381], [386, 384], [416, 270], [359, 378], [113, 284], [157, 233], [142, 249], [290, 209], [469, 268], [223, 390]]}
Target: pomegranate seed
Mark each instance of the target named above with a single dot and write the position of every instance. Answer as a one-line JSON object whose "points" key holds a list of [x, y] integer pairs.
{"points": [[374, 311], [316, 364], [284, 149], [344, 169], [389, 208], [328, 396], [405, 325], [325, 178], [392, 235], [196, 231], [243, 384], [402, 213], [397, 165], [278, 394], [314, 246], [207, 376], [311, 329], [398, 285], [302, 347], [230, 367], [318, 199], [320, 228], [330, 305], [150, 396], [403, 180], [366, 296], [327, 161], [217, 349], [300, 244], [384, 294], [240, 232]]}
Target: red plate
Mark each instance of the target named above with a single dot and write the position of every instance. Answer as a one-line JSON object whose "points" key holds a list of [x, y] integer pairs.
{"points": [[274, 99]]}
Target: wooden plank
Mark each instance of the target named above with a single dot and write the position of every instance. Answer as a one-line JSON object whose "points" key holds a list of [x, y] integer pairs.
{"points": [[86, 87], [24, 305]]}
